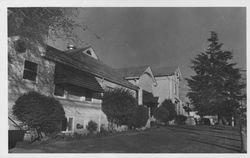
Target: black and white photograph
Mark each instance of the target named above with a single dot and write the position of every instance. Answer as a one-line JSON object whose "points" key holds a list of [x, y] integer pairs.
{"points": [[126, 79]]}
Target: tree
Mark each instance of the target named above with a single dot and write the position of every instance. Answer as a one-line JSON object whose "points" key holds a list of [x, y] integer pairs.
{"points": [[165, 112], [35, 25], [170, 106], [187, 107], [215, 89], [39, 111], [161, 114], [119, 105], [140, 116]]}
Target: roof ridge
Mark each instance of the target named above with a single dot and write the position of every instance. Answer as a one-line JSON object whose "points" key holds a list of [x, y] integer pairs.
{"points": [[141, 66]]}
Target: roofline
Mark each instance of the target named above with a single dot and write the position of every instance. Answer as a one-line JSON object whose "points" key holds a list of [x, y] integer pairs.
{"points": [[181, 77], [171, 74], [163, 75], [57, 60], [152, 74], [129, 78]]}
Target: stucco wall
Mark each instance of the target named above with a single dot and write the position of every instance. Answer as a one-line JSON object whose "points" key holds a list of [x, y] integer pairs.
{"points": [[146, 82], [163, 89]]}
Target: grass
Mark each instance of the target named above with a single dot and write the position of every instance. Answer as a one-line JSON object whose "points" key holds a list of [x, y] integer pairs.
{"points": [[171, 139]]}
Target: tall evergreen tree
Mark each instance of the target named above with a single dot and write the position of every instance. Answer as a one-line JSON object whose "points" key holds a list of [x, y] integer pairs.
{"points": [[216, 88]]}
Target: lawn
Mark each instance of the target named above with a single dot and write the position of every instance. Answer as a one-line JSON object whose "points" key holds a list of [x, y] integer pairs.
{"points": [[172, 139]]}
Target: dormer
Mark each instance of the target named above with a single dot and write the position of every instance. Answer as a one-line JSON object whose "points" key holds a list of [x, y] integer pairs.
{"points": [[78, 51], [90, 52]]}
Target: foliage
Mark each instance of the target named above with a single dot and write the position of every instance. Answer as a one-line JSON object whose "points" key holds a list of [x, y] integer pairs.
{"points": [[165, 112], [118, 105], [37, 23], [92, 126], [187, 107], [215, 89], [170, 106], [38, 111], [161, 114], [140, 117], [205, 121], [180, 119]]}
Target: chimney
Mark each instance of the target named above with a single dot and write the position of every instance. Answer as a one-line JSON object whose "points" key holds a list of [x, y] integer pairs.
{"points": [[71, 47]]}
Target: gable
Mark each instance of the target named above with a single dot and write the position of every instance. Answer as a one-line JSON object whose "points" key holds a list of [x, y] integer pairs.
{"points": [[146, 82]]}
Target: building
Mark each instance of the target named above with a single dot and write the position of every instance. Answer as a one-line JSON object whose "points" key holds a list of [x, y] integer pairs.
{"points": [[75, 77], [144, 79], [159, 83]]}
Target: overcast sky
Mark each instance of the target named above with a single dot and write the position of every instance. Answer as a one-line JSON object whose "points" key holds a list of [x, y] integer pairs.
{"points": [[162, 36]]}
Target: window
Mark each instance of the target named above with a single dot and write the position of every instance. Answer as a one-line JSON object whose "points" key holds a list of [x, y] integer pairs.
{"points": [[64, 124], [59, 90], [67, 124], [176, 88], [74, 92], [88, 96], [70, 124], [88, 52], [30, 70]]}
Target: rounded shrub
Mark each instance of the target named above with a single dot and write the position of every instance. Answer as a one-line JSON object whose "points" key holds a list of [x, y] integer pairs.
{"points": [[119, 105], [39, 111], [140, 117], [170, 106], [92, 126], [161, 114]]}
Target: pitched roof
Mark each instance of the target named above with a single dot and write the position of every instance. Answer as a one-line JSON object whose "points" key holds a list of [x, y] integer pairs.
{"points": [[164, 71], [137, 71], [66, 74], [132, 71], [88, 64]]}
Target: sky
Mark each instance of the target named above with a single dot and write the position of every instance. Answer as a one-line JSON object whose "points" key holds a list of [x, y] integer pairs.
{"points": [[127, 37]]}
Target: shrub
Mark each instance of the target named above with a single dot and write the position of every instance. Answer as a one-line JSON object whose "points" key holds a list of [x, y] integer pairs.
{"points": [[170, 106], [92, 126], [205, 121], [161, 114], [180, 119], [39, 111], [140, 117], [118, 105]]}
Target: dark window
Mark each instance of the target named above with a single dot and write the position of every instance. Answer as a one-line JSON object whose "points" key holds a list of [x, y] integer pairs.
{"points": [[64, 124], [67, 124], [75, 92], [88, 96], [59, 90], [88, 52], [70, 124], [30, 70]]}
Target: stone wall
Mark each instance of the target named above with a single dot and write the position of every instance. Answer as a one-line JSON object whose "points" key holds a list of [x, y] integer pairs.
{"points": [[16, 84]]}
